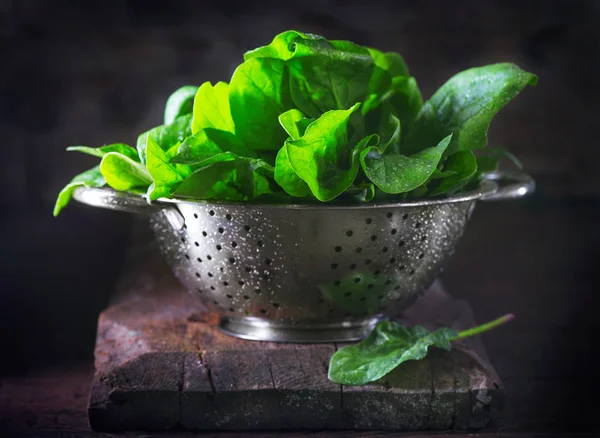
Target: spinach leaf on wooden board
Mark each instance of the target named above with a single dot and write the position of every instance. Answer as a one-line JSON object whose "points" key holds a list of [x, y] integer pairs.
{"points": [[89, 178], [464, 107], [179, 103], [389, 345]]}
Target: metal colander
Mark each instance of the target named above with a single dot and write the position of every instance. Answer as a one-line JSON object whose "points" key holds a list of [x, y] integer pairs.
{"points": [[308, 273]]}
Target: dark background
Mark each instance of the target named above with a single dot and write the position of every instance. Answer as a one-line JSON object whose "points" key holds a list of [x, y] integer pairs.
{"points": [[98, 72]]}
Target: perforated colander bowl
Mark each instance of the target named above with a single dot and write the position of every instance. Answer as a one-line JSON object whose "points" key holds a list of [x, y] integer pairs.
{"points": [[308, 273]]}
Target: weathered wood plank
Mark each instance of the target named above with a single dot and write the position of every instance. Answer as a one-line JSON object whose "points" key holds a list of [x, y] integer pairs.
{"points": [[162, 363]]}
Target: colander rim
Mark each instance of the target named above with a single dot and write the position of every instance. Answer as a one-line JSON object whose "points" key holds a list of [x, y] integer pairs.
{"points": [[486, 188]]}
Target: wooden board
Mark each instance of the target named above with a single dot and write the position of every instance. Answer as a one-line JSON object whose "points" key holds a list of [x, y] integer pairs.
{"points": [[161, 363]]}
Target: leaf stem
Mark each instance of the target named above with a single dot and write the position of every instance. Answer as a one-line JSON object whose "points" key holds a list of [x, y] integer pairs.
{"points": [[483, 327]]}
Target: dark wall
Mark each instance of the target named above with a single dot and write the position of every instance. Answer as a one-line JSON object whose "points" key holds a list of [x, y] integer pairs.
{"points": [[98, 72]]}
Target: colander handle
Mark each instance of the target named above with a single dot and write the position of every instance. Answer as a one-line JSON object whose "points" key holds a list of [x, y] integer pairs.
{"points": [[119, 201], [511, 185]]}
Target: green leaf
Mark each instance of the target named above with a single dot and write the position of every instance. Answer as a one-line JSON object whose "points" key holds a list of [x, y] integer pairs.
{"points": [[294, 123], [284, 47], [328, 75], [384, 123], [211, 108], [395, 173], [323, 156], [166, 135], [165, 176], [121, 148], [179, 103], [89, 178], [286, 176], [389, 345], [458, 169], [228, 177], [391, 62], [258, 94], [465, 105], [122, 173], [206, 143], [406, 101], [363, 192], [329, 79]]}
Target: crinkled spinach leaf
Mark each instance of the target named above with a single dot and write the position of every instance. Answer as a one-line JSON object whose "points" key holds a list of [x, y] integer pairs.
{"points": [[324, 157], [295, 124]]}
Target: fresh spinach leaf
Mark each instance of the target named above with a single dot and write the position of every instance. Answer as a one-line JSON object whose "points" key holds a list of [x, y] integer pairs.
{"points": [[208, 142], [101, 151], [362, 192], [284, 46], [179, 103], [406, 100], [396, 173], [389, 345], [287, 178], [391, 62], [89, 178], [165, 175], [123, 173], [228, 177], [329, 80], [458, 170], [258, 94], [465, 105], [166, 136], [324, 158], [211, 108], [294, 123]]}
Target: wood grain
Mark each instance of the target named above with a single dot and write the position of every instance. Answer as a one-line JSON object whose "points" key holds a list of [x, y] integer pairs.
{"points": [[162, 363]]}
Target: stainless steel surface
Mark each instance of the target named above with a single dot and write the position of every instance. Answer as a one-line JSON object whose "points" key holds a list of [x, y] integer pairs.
{"points": [[257, 329], [307, 273], [513, 185]]}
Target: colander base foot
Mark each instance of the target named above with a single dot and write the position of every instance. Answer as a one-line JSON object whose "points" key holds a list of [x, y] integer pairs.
{"points": [[257, 329]]}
